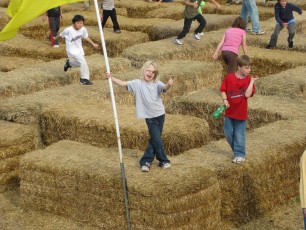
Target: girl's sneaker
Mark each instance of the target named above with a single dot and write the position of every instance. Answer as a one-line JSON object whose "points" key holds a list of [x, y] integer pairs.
{"points": [[238, 160], [144, 168], [165, 165]]}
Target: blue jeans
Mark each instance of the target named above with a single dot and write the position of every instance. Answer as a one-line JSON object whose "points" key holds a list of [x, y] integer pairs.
{"points": [[234, 131], [304, 220], [155, 145], [249, 8], [277, 30]]}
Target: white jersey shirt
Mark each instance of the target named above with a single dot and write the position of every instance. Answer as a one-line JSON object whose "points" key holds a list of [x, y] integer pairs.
{"points": [[73, 39]]}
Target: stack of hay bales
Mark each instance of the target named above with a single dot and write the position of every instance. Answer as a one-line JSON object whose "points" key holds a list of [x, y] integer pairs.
{"points": [[83, 183], [203, 103], [15, 140], [92, 122], [289, 83]]}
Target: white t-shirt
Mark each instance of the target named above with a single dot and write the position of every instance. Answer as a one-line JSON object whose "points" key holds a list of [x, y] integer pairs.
{"points": [[108, 5], [149, 103], [73, 39]]}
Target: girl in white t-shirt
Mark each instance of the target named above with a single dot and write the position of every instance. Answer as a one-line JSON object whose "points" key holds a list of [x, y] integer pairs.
{"points": [[230, 43], [149, 106]]}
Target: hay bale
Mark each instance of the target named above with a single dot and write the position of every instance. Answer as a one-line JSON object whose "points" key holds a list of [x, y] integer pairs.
{"points": [[266, 62], [264, 13], [268, 178], [214, 22], [9, 63], [173, 199], [167, 50], [85, 121], [25, 80], [15, 140], [203, 103], [282, 85]]}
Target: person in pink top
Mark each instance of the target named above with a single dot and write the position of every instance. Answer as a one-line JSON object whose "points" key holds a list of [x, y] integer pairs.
{"points": [[230, 44]]}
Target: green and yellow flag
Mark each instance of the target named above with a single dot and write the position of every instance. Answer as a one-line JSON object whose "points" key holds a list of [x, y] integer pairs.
{"points": [[24, 11]]}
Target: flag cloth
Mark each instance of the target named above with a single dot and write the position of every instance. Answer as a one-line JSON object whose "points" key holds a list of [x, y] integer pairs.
{"points": [[24, 11]]}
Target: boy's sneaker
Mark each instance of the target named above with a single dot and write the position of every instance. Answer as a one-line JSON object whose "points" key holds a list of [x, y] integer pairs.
{"points": [[197, 36], [238, 160], [145, 168], [260, 32], [67, 65], [56, 46], [117, 31], [201, 34], [164, 165], [178, 41], [268, 47], [85, 82], [248, 30]]}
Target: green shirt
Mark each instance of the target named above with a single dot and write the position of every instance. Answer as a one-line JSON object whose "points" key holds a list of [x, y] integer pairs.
{"points": [[190, 11]]}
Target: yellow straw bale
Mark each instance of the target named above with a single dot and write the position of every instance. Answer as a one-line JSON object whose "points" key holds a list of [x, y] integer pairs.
{"points": [[289, 83], [187, 193], [86, 121]]}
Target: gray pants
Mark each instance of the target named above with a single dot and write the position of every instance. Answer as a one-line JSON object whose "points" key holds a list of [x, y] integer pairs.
{"points": [[79, 61], [277, 30]]}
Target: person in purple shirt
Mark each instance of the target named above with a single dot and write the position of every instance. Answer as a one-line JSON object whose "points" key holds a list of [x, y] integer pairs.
{"points": [[283, 11], [230, 44]]}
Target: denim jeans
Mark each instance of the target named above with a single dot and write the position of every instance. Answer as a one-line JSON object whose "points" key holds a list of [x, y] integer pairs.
{"points": [[187, 25], [155, 145], [277, 30], [234, 131], [249, 8]]}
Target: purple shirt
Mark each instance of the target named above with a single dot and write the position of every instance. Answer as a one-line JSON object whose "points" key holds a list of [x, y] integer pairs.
{"points": [[233, 39]]}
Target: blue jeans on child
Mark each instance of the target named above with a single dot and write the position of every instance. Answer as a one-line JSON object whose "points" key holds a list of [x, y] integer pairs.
{"points": [[249, 8], [277, 30], [234, 131], [155, 145]]}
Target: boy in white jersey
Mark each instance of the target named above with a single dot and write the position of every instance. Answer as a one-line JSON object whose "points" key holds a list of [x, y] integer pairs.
{"points": [[149, 106], [73, 37]]}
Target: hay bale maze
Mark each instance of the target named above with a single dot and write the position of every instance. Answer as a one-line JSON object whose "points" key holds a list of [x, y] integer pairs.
{"points": [[59, 163]]}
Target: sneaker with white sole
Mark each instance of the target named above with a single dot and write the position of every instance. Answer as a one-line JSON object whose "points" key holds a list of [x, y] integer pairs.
{"points": [[197, 36], [201, 34], [164, 165], [144, 168], [178, 41], [238, 160], [260, 32]]}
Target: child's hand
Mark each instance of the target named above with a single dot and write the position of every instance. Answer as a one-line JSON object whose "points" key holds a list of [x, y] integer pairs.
{"points": [[215, 56], [226, 103], [255, 78], [95, 45], [195, 5], [170, 82], [108, 75]]}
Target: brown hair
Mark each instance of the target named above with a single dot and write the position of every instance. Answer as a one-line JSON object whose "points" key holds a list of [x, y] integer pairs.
{"points": [[244, 60], [239, 23]]}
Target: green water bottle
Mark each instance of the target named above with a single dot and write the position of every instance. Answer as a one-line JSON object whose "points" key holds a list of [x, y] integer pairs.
{"points": [[219, 111]]}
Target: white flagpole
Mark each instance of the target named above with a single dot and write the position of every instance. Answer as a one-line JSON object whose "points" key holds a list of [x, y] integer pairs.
{"points": [[115, 115]]}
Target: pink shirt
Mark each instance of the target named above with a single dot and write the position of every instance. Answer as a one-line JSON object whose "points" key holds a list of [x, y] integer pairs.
{"points": [[233, 39]]}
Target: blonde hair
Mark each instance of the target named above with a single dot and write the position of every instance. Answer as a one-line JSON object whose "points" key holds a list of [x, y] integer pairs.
{"points": [[146, 66]]}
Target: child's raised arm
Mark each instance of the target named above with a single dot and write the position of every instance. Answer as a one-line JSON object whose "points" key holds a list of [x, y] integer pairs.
{"points": [[116, 80]]}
